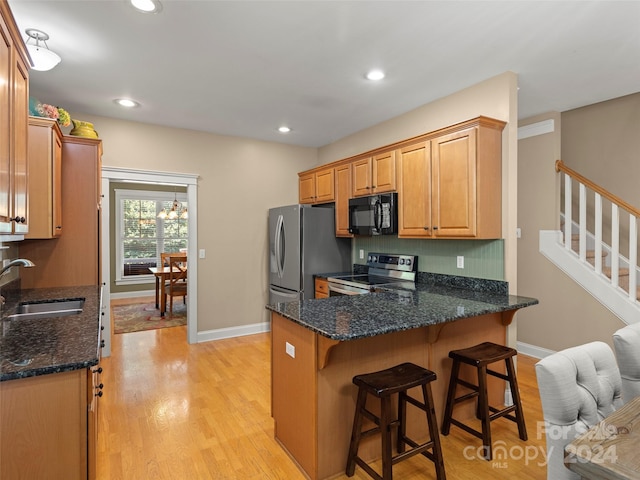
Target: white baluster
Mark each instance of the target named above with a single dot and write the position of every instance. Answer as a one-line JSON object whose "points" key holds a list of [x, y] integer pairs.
{"points": [[633, 256], [598, 227], [615, 244], [567, 212], [583, 223]]}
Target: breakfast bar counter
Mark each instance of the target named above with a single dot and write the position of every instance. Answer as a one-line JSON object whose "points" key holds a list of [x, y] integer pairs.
{"points": [[319, 345]]}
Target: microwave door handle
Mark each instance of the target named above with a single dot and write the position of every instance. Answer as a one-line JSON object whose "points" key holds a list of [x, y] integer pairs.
{"points": [[377, 215]]}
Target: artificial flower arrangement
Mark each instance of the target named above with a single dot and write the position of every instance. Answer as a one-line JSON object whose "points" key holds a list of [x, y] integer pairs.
{"points": [[49, 111]]}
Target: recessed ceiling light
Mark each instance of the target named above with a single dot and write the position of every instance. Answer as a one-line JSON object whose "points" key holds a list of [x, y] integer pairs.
{"points": [[375, 75], [284, 129], [146, 6], [125, 102]]}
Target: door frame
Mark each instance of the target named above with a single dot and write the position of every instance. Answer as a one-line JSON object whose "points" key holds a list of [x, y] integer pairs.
{"points": [[190, 181]]}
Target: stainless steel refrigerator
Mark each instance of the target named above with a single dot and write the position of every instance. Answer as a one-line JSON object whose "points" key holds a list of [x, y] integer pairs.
{"points": [[302, 243]]}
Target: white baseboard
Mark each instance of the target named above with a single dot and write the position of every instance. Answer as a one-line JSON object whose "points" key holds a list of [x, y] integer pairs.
{"points": [[231, 332], [138, 293], [533, 350]]}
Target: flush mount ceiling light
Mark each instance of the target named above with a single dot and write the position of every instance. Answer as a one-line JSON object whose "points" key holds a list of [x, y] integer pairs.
{"points": [[43, 58], [375, 75], [146, 6], [284, 129], [127, 103]]}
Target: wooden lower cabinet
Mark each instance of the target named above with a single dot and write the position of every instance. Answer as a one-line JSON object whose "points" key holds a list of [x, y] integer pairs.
{"points": [[322, 288], [313, 397], [45, 427]]}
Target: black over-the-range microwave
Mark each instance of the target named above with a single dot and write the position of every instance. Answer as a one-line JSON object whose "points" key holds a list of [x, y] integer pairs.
{"points": [[374, 215]]}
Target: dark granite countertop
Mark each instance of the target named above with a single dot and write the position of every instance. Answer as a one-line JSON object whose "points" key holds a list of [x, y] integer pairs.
{"points": [[31, 347], [436, 299]]}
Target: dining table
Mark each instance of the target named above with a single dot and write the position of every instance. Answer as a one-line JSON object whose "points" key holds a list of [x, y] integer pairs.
{"points": [[609, 450], [162, 275]]}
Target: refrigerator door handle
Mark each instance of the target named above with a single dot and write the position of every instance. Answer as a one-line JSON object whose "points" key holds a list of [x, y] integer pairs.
{"points": [[284, 293], [280, 245]]}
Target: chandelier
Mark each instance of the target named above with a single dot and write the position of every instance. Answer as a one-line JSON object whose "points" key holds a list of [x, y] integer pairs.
{"points": [[177, 211]]}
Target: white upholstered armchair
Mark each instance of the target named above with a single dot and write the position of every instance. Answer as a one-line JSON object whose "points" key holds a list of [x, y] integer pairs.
{"points": [[578, 387], [626, 343]]}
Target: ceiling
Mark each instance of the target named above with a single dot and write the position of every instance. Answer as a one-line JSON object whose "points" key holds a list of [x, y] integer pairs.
{"points": [[244, 68]]}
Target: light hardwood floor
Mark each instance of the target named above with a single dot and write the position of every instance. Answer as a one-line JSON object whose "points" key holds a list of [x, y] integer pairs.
{"points": [[176, 411]]}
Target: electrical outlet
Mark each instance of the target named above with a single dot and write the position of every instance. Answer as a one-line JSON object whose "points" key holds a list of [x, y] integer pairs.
{"points": [[460, 261], [290, 349], [361, 254], [201, 253]]}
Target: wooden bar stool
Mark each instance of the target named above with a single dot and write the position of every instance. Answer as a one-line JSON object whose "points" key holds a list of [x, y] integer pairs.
{"points": [[383, 385], [479, 356]]}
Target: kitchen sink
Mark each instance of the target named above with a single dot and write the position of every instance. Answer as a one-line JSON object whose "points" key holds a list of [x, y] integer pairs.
{"points": [[48, 309]]}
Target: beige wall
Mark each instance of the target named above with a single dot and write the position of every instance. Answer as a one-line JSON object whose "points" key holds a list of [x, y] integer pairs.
{"points": [[600, 141], [239, 180]]}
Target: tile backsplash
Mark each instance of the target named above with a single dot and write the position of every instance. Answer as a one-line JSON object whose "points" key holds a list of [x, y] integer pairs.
{"points": [[482, 258]]}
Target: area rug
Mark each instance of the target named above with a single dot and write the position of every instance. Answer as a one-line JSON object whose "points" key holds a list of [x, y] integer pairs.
{"points": [[145, 316]]}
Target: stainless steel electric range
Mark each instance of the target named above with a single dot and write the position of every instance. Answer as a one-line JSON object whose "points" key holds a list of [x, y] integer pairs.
{"points": [[383, 269]]}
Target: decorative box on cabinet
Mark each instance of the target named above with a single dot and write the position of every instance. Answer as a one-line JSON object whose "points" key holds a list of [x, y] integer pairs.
{"points": [[45, 178], [316, 186], [14, 108], [450, 186]]}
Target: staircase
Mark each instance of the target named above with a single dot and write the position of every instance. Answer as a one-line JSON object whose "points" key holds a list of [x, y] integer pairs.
{"points": [[607, 270]]}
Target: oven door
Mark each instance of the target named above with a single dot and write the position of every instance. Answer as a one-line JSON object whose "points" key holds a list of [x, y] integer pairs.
{"points": [[339, 289]]}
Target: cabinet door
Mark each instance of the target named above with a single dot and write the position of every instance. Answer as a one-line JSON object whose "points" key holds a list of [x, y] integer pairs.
{"points": [[361, 177], [19, 127], [45, 162], [343, 193], [384, 172], [307, 188], [454, 184], [414, 190], [325, 186], [5, 128]]}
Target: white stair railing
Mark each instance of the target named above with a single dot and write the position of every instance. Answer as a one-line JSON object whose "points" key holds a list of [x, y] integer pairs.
{"points": [[617, 259]]}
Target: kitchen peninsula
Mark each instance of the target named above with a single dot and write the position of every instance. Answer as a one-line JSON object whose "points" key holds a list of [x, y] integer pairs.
{"points": [[319, 345]]}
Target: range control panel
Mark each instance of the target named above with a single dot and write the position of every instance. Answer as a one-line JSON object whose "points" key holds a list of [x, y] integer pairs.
{"points": [[404, 263]]}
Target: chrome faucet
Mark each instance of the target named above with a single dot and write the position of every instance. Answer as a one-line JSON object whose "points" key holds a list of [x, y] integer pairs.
{"points": [[17, 262]]}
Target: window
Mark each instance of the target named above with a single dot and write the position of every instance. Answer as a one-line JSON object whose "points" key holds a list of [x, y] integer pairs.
{"points": [[141, 236]]}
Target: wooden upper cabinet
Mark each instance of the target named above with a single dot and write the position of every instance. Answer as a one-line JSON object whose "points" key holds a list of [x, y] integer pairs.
{"points": [[45, 178], [14, 108], [414, 190], [376, 174], [317, 186], [451, 186], [343, 194], [361, 177]]}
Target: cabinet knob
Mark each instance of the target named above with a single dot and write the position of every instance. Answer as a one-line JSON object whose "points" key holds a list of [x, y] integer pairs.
{"points": [[97, 370], [100, 387], [426, 228], [58, 227], [101, 343], [18, 219], [435, 228], [99, 394]]}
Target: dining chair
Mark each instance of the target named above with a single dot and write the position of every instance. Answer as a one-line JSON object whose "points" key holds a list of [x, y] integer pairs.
{"points": [[578, 386], [626, 343], [176, 285]]}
